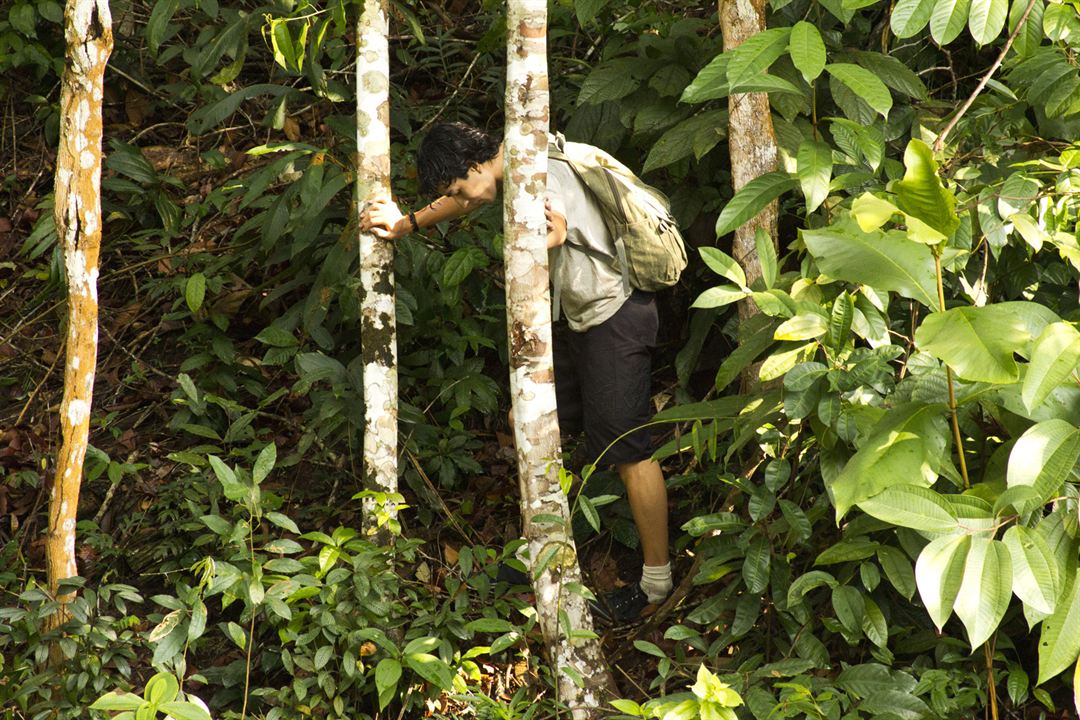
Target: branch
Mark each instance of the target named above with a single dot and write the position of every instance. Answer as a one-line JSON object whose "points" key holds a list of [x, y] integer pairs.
{"points": [[940, 142]]}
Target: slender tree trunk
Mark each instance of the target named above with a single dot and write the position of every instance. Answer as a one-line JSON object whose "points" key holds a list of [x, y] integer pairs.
{"points": [[378, 324], [584, 682], [77, 213], [751, 139]]}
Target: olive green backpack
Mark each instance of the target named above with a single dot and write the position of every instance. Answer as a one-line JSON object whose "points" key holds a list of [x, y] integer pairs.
{"points": [[649, 248]]}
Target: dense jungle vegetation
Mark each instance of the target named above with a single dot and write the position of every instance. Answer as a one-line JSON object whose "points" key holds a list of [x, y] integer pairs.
{"points": [[873, 479]]}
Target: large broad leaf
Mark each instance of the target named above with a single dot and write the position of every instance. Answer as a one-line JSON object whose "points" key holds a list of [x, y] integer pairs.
{"points": [[921, 193], [948, 20], [892, 72], [1059, 641], [1043, 458], [807, 50], [679, 141], [1030, 36], [986, 589], [905, 447], [977, 342], [752, 199], [710, 83], [912, 506], [611, 80], [1054, 358], [1035, 574], [815, 170], [909, 17], [863, 83], [939, 572], [986, 19], [884, 261], [755, 55]]}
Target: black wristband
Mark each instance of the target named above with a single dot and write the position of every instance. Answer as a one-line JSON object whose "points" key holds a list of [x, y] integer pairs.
{"points": [[412, 221]]}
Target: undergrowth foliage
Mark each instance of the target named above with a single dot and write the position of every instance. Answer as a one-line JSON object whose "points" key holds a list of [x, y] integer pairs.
{"points": [[885, 526]]}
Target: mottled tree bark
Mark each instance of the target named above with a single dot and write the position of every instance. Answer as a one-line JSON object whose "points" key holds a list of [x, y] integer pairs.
{"points": [[751, 139], [378, 324], [584, 682], [77, 213]]}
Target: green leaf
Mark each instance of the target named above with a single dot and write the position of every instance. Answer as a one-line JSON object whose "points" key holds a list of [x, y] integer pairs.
{"points": [[986, 589], [723, 264], [814, 170], [939, 572], [589, 511], [158, 23], [236, 634], [863, 83], [898, 569], [710, 83], [756, 564], [904, 448], [976, 342], [752, 199], [874, 625], [195, 291], [1059, 642], [766, 252], [387, 674], [208, 116], [986, 19], [909, 17], [197, 626], [948, 20], [1030, 36], [871, 212], [884, 261], [431, 668], [679, 141], [233, 488], [755, 55], [719, 297], [912, 506], [1035, 573], [843, 312], [264, 462], [115, 701], [892, 72], [1043, 458], [587, 10], [1054, 358], [921, 193], [611, 80], [807, 50], [181, 710], [802, 327]]}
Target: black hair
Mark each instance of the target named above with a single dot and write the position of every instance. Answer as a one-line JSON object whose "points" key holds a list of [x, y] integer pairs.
{"points": [[448, 152]]}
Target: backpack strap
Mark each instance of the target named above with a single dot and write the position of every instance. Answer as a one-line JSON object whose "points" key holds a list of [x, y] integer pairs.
{"points": [[558, 142]]}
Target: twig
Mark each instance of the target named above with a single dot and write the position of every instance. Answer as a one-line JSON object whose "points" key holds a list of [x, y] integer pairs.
{"points": [[940, 142], [30, 400]]}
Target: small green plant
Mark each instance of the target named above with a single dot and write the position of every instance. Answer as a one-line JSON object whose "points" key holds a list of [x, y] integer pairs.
{"points": [[159, 696]]}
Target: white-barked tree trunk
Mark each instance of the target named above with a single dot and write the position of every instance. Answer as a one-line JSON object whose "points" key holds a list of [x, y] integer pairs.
{"points": [[378, 324], [77, 213], [751, 140], [584, 682]]}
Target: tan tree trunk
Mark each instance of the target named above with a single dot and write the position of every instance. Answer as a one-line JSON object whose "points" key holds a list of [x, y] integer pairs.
{"points": [[77, 213], [378, 324], [751, 139], [584, 683]]}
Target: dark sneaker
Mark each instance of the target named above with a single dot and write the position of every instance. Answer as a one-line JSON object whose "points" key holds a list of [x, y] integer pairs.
{"points": [[622, 605]]}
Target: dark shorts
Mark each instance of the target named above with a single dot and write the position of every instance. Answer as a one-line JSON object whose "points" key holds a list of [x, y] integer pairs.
{"points": [[602, 380]]}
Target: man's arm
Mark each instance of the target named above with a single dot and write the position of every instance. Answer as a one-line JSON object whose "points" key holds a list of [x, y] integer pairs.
{"points": [[384, 218]]}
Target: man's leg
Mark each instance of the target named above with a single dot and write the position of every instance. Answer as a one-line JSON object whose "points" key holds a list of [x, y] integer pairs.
{"points": [[647, 494]]}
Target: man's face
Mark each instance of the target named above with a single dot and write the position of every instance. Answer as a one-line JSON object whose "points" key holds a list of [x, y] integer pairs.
{"points": [[479, 187]]}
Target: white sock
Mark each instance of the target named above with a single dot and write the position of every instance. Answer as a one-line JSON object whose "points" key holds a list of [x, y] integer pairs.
{"points": [[656, 582]]}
